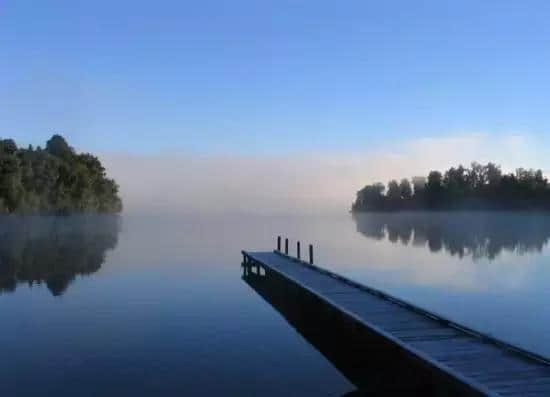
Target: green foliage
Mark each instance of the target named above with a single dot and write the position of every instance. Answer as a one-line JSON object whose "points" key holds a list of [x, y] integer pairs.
{"points": [[58, 147], [478, 187], [56, 180]]}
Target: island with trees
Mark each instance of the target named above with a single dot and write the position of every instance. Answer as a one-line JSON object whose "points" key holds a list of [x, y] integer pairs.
{"points": [[54, 180], [477, 187]]}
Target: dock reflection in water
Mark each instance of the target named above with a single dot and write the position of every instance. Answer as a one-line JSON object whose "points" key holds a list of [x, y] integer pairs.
{"points": [[367, 362], [53, 250], [476, 234]]}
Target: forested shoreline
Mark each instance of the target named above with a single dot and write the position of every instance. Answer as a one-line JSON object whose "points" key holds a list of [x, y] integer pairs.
{"points": [[54, 180], [477, 187]]}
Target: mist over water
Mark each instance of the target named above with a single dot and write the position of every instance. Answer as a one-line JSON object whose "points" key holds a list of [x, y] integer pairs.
{"points": [[296, 182], [53, 250], [155, 304]]}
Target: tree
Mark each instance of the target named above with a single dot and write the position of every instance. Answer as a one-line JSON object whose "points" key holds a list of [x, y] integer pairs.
{"points": [[8, 146], [419, 184], [58, 146], [370, 197], [55, 180], [494, 174], [394, 192], [481, 186], [405, 188], [457, 183], [434, 181]]}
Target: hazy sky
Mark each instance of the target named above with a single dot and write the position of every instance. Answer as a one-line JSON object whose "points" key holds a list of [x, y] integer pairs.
{"points": [[260, 81]]}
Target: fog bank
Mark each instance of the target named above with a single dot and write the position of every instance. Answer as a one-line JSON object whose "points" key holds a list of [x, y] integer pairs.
{"points": [[294, 183]]}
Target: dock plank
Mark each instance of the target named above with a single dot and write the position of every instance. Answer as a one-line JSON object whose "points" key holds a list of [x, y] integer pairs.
{"points": [[483, 363]]}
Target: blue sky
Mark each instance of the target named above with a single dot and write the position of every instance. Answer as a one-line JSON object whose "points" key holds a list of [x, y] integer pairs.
{"points": [[271, 76]]}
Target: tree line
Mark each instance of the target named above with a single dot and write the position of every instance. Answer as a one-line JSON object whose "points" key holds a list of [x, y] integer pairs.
{"points": [[54, 180], [477, 187]]}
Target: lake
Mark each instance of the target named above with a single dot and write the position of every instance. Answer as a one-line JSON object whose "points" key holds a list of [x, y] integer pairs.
{"points": [[157, 305]]}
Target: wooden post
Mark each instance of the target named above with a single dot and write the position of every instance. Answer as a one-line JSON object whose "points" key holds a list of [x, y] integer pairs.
{"points": [[311, 254], [298, 249], [279, 243], [286, 246]]}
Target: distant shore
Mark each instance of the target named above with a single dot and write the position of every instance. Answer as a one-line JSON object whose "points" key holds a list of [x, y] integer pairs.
{"points": [[481, 187], [54, 180]]}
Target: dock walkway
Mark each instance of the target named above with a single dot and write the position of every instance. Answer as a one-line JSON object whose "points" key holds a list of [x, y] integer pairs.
{"points": [[478, 363]]}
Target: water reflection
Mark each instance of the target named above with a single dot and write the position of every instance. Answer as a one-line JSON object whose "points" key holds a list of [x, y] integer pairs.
{"points": [[365, 359], [477, 234], [53, 250]]}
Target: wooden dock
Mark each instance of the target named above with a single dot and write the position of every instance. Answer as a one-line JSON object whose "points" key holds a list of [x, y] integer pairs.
{"points": [[446, 357]]}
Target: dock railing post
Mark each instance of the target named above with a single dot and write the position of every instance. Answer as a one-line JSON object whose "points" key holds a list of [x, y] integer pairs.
{"points": [[311, 254], [279, 243], [298, 249], [286, 246]]}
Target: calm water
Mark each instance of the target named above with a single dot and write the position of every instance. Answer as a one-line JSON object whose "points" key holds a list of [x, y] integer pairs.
{"points": [[157, 305]]}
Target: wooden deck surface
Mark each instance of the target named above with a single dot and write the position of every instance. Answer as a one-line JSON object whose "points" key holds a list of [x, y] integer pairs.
{"points": [[486, 365]]}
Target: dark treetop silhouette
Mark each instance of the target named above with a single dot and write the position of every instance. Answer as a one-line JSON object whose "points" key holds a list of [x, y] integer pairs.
{"points": [[54, 250], [54, 180], [478, 187], [478, 234]]}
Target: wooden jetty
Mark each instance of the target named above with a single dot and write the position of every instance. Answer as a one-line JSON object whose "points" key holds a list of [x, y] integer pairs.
{"points": [[439, 355]]}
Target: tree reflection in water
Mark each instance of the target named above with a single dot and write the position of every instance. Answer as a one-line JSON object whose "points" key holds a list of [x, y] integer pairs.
{"points": [[53, 250], [478, 234]]}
